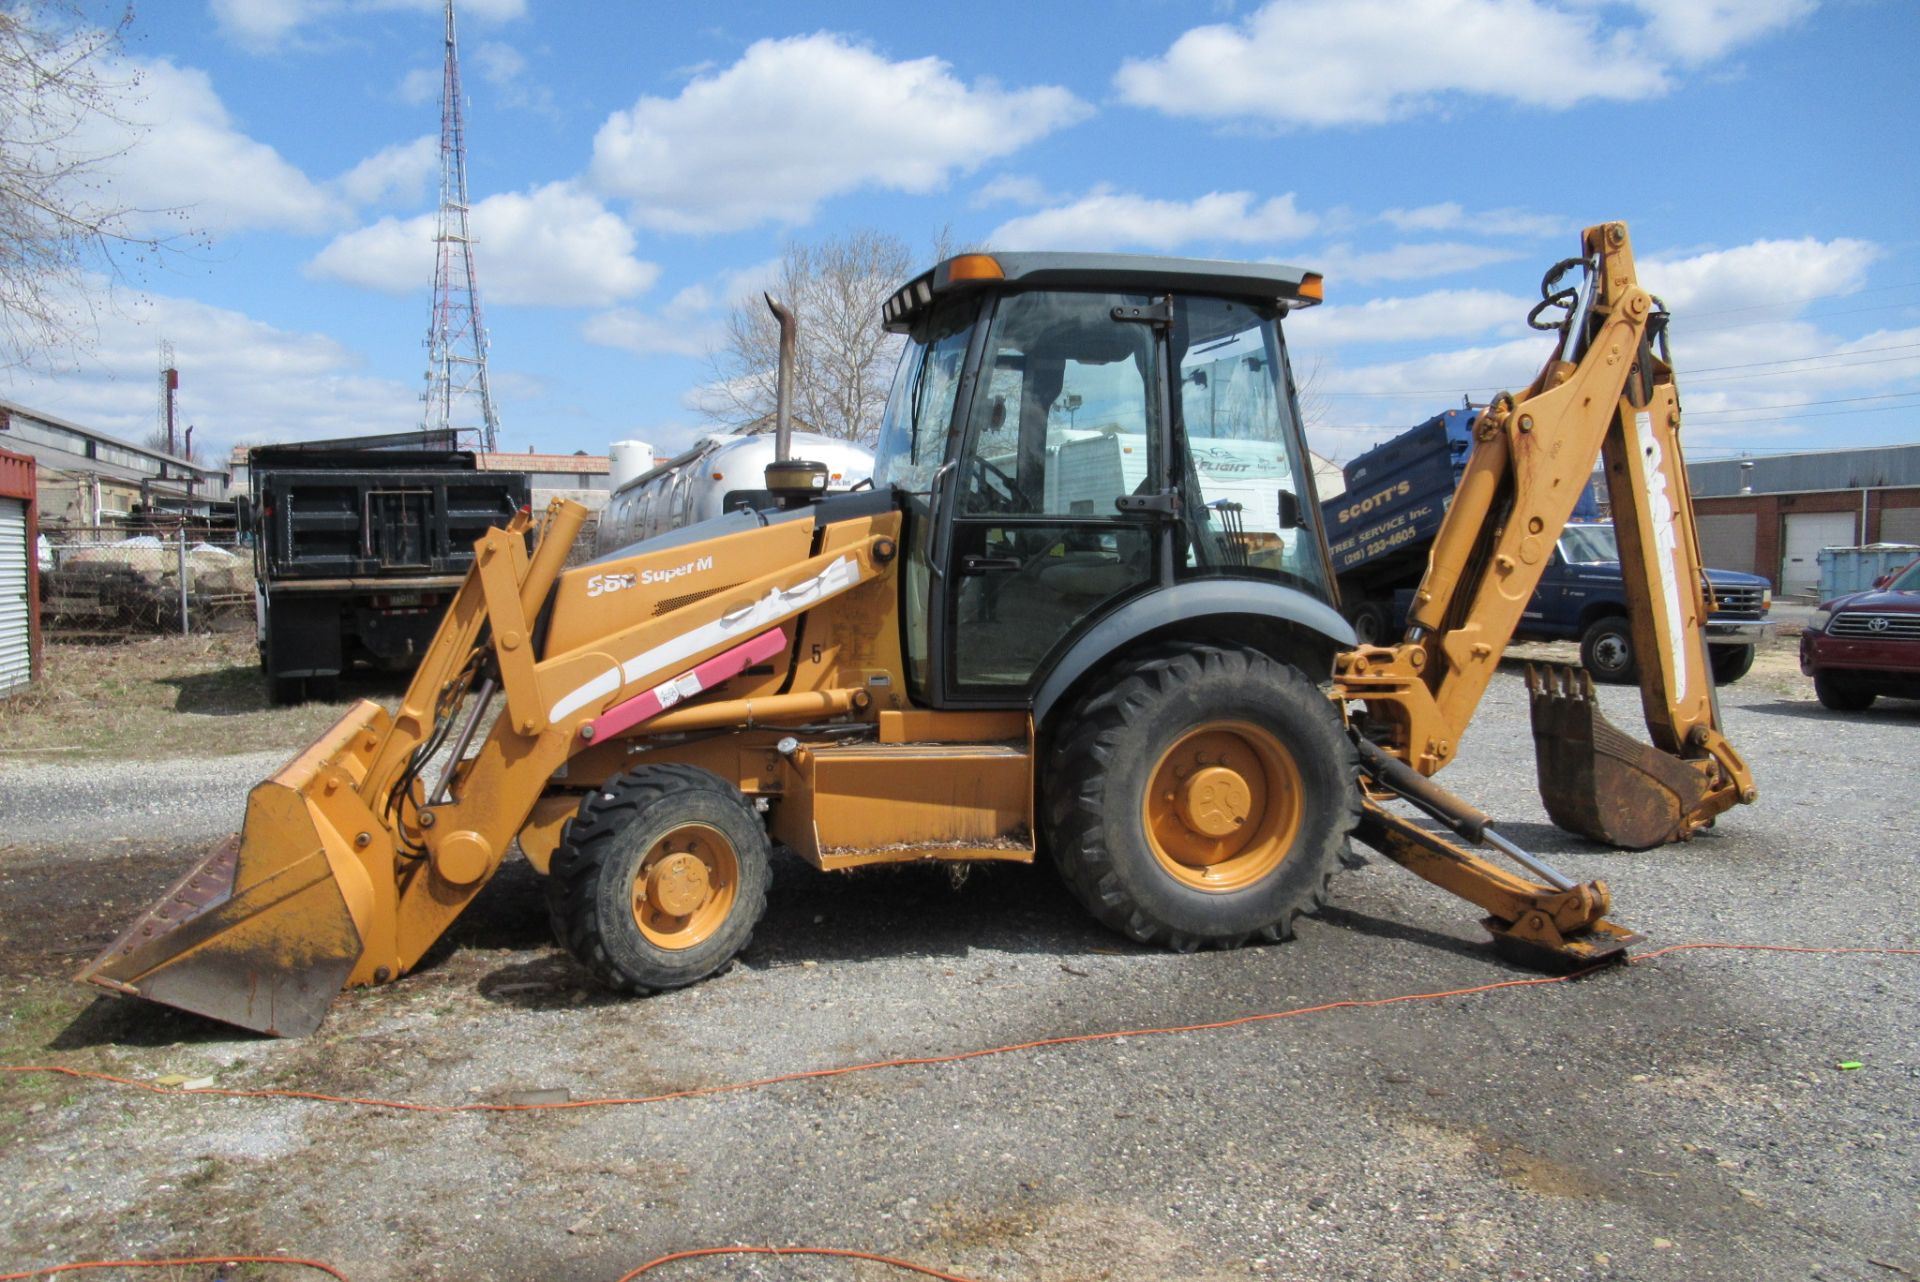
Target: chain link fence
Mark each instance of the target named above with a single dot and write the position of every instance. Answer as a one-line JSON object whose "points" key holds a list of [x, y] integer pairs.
{"points": [[104, 581]]}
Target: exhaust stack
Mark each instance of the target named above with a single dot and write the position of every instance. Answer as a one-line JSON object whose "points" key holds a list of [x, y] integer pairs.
{"points": [[792, 482]]}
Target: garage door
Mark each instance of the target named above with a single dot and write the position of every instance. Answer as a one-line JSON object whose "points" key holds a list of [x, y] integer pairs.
{"points": [[1728, 540], [14, 656], [1806, 534], [1900, 525]]}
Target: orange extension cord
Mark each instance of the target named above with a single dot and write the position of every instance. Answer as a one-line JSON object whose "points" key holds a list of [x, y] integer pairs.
{"points": [[808, 1075]]}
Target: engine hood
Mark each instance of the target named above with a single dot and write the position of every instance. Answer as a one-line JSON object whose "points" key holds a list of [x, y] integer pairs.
{"points": [[1879, 599]]}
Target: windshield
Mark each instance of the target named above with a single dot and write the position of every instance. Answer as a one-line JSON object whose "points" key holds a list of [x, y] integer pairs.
{"points": [[913, 435], [1908, 580], [1588, 544]]}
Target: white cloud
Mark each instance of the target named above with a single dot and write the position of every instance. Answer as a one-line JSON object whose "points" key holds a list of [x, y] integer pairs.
{"points": [[179, 150], [265, 24], [1015, 189], [1747, 336], [259, 23], [555, 245], [798, 120], [692, 323], [499, 63], [1452, 216], [1336, 62], [1445, 313], [1107, 219], [1343, 264], [241, 379], [393, 175], [1700, 30], [419, 86], [684, 327], [1765, 273]]}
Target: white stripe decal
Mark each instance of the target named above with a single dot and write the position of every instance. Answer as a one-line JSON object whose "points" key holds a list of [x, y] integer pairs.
{"points": [[842, 574], [604, 684], [1666, 544]]}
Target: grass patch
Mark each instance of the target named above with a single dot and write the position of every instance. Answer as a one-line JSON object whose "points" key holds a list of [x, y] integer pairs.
{"points": [[152, 697]]}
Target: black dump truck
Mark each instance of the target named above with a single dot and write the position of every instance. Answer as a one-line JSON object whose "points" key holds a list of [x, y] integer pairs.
{"points": [[358, 545]]}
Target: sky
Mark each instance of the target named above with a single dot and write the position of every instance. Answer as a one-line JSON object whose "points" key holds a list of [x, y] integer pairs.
{"points": [[634, 169]]}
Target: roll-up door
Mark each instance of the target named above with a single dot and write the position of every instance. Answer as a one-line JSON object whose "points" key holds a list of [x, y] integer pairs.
{"points": [[15, 654]]}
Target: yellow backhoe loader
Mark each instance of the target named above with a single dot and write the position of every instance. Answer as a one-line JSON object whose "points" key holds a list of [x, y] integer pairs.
{"points": [[1086, 608]]}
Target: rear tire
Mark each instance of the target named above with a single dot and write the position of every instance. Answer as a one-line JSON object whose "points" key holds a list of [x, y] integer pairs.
{"points": [[1203, 797], [1842, 698], [1730, 662], [660, 879], [1606, 651]]}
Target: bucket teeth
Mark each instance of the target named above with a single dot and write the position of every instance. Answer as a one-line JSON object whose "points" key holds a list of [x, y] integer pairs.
{"points": [[1598, 781]]}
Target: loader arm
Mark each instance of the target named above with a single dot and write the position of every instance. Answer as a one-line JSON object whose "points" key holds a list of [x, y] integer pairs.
{"points": [[358, 855], [1607, 392]]}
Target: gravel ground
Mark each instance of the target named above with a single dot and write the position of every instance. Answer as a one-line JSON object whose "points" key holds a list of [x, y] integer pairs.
{"points": [[1683, 1119]]}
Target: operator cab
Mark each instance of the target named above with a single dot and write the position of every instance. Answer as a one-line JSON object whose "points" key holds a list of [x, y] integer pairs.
{"points": [[1071, 432]]}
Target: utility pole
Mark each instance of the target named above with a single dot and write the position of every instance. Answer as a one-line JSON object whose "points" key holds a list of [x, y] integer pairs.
{"points": [[457, 397]]}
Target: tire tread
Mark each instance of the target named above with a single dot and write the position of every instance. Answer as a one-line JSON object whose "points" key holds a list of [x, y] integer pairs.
{"points": [[1076, 809]]}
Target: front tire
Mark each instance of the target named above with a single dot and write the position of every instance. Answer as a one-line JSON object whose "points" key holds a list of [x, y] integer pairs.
{"points": [[660, 879], [1730, 662], [1842, 698], [1203, 796], [1606, 651], [1372, 622]]}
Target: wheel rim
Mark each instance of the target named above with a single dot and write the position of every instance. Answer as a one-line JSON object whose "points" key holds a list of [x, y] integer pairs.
{"points": [[1610, 651], [686, 886], [1223, 806]]}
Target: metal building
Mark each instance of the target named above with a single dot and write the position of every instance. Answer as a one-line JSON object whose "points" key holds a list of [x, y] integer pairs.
{"points": [[19, 575], [1771, 516]]}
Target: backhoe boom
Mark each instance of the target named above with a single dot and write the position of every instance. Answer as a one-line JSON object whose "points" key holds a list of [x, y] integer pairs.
{"points": [[1607, 393]]}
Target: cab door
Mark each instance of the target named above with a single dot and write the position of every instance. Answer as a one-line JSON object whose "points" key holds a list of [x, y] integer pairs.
{"points": [[1064, 419]]}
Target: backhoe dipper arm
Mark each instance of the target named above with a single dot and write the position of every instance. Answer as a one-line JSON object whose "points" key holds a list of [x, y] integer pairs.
{"points": [[1607, 392]]}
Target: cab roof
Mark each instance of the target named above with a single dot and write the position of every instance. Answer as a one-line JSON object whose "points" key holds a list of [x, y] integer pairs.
{"points": [[1120, 273]]}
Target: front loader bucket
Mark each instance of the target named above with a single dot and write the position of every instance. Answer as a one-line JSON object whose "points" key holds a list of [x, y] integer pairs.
{"points": [[1598, 781], [265, 930]]}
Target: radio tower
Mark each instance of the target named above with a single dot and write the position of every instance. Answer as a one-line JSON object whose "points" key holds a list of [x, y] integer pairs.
{"points": [[457, 397]]}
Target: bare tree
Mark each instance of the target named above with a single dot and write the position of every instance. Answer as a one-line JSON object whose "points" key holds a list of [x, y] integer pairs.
{"points": [[845, 360], [57, 222]]}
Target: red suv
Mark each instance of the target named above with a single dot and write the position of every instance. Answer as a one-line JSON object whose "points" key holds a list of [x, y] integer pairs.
{"points": [[1862, 646]]}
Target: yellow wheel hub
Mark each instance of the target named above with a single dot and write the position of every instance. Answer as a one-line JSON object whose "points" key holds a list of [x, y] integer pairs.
{"points": [[1214, 801], [686, 886], [1223, 805]]}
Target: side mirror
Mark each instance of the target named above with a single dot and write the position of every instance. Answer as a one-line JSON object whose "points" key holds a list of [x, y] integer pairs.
{"points": [[1289, 510], [1883, 580]]}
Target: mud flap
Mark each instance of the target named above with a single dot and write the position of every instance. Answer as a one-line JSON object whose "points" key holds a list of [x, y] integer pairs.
{"points": [[264, 931], [1597, 780]]}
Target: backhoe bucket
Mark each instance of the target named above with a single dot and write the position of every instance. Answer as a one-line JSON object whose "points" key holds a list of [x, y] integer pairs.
{"points": [[266, 929], [1598, 781]]}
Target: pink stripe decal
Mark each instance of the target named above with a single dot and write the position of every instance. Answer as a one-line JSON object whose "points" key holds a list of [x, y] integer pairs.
{"points": [[642, 707]]}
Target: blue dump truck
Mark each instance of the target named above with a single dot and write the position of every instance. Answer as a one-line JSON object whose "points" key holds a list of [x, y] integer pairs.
{"points": [[1379, 531]]}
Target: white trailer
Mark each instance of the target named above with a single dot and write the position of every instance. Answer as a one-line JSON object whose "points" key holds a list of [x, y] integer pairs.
{"points": [[723, 471]]}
